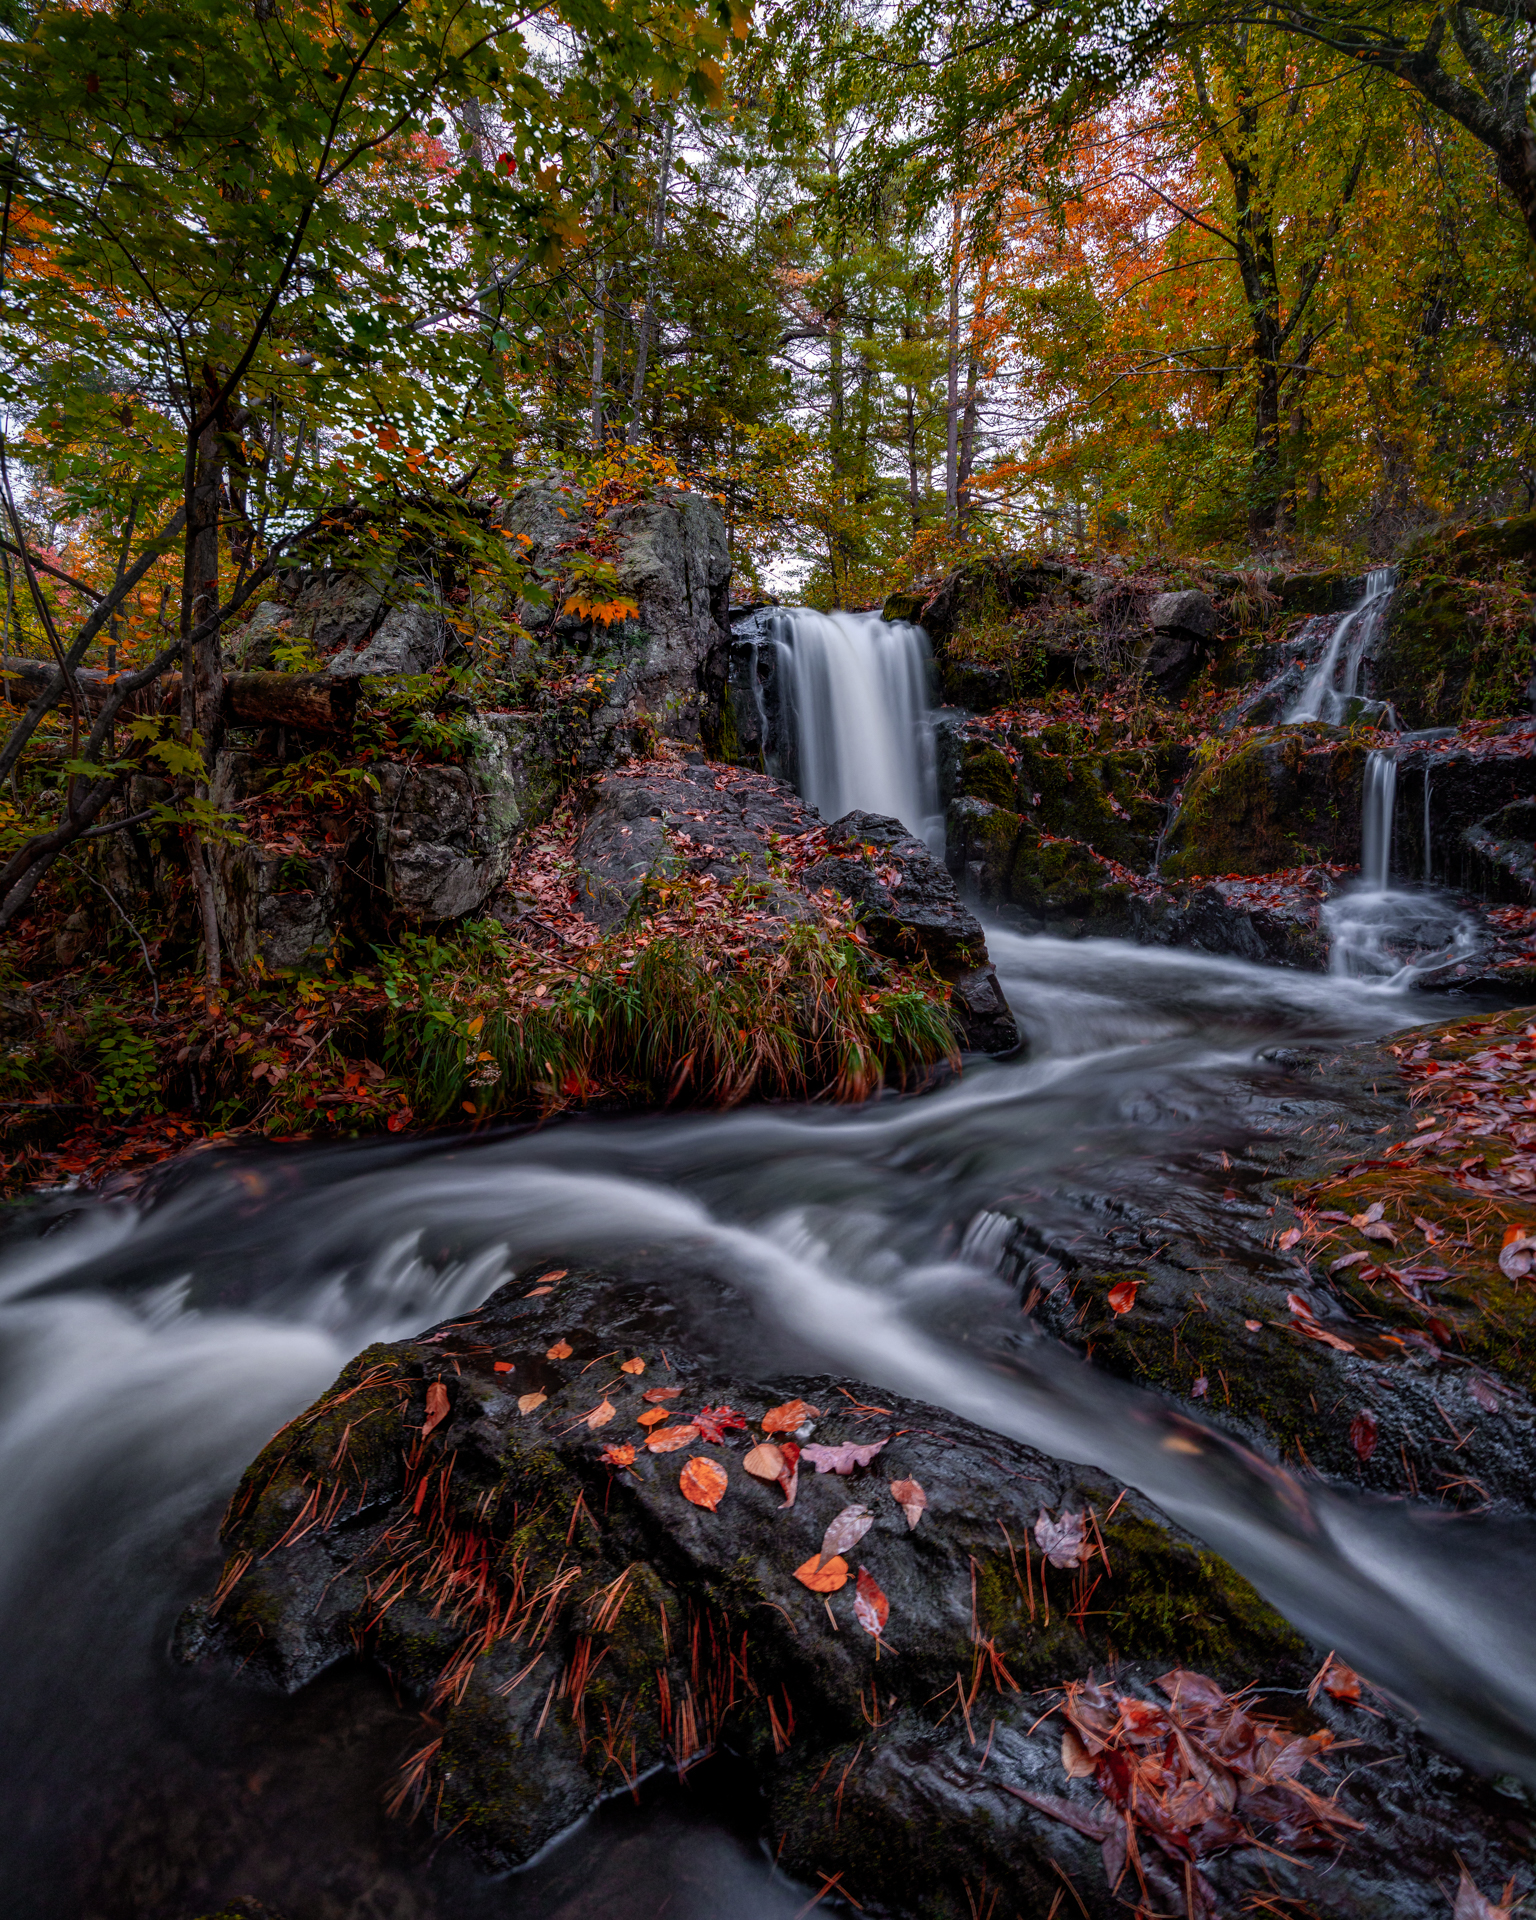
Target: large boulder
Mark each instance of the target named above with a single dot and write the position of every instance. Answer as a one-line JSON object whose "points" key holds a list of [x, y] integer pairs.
{"points": [[357, 625], [444, 833], [1287, 798]]}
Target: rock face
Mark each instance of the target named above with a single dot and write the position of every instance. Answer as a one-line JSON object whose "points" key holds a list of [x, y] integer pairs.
{"points": [[671, 557], [357, 625], [281, 899], [1182, 625], [1288, 798], [574, 1596], [444, 834]]}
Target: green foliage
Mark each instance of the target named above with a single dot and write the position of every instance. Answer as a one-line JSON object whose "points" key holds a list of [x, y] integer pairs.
{"points": [[127, 1072]]}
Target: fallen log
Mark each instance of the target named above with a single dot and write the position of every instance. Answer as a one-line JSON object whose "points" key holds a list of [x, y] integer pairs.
{"points": [[307, 702]]}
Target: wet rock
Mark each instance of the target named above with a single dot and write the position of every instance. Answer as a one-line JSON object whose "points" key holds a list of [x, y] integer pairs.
{"points": [[700, 818], [357, 624], [1475, 779], [1189, 611], [477, 1513], [1290, 798], [444, 834], [284, 893]]}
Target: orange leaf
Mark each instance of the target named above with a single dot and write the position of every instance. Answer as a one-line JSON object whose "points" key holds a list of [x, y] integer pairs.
{"points": [[619, 1456], [870, 1607], [787, 1418], [558, 1274], [531, 1400], [1123, 1297], [501, 1366], [703, 1482], [910, 1497], [600, 1414], [637, 1365], [669, 1439], [561, 1350], [661, 1393], [437, 1407], [655, 1417], [823, 1576]]}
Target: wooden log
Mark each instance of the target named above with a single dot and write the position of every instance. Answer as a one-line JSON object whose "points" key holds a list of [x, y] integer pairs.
{"points": [[307, 702]]}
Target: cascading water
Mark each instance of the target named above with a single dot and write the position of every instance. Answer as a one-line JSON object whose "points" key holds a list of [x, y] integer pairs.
{"points": [[857, 691], [1378, 803], [1335, 680]]}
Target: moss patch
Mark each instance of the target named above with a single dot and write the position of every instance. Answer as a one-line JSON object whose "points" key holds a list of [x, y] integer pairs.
{"points": [[1286, 798]]}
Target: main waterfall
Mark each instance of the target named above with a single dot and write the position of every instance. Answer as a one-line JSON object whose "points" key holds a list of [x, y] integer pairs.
{"points": [[853, 703]]}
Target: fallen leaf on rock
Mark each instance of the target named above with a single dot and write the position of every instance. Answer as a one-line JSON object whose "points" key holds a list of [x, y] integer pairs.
{"points": [[844, 1458], [1369, 1218], [601, 1414], [1337, 1681], [1303, 1320], [1061, 1541], [822, 1576], [529, 1401], [1347, 1260], [661, 1393], [1075, 1757], [1362, 1433], [789, 1417], [714, 1422], [765, 1462], [1518, 1254], [1122, 1296], [1201, 1387], [669, 1439], [501, 1366], [910, 1497], [789, 1479], [1379, 1230], [1253, 1325], [870, 1607], [1473, 1905], [654, 1417], [561, 1350], [703, 1482], [637, 1365], [1483, 1394], [558, 1274], [437, 1407], [848, 1528], [1288, 1239], [619, 1456]]}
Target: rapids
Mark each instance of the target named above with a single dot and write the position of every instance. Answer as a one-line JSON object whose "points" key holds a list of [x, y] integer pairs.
{"points": [[147, 1351]]}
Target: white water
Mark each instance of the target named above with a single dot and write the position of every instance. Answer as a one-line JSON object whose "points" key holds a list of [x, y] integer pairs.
{"points": [[1335, 680], [858, 690], [1378, 805]]}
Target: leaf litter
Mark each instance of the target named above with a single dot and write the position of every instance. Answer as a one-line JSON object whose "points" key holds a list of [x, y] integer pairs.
{"points": [[1196, 1777]]}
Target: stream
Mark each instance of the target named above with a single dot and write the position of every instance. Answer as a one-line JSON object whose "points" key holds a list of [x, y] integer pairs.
{"points": [[148, 1352]]}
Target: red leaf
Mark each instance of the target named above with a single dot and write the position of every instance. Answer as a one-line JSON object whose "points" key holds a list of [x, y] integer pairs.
{"points": [[702, 1482], [870, 1607], [1363, 1433], [437, 1407], [1122, 1297], [714, 1422]]}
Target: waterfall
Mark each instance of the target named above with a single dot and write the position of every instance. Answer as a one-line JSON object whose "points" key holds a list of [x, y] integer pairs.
{"points": [[1334, 681], [1429, 858], [1377, 804], [858, 701]]}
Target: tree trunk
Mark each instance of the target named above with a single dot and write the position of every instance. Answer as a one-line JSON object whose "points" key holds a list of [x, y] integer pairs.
{"points": [[972, 398], [952, 387], [200, 577], [648, 318]]}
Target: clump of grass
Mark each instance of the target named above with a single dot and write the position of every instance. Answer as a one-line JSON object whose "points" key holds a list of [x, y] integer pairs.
{"points": [[695, 1006]]}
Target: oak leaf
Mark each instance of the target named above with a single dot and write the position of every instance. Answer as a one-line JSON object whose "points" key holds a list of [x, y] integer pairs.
{"points": [[703, 1482], [844, 1458]]}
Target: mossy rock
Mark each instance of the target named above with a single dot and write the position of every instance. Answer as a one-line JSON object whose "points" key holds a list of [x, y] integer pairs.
{"points": [[1287, 798], [986, 774], [1066, 880], [1072, 790]]}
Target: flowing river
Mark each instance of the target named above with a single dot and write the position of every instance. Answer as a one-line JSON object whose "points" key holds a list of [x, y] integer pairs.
{"points": [[148, 1352]]}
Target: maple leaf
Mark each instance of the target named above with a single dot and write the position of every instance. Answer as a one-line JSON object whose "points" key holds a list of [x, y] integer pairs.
{"points": [[618, 1456], [714, 1422], [1062, 1541]]}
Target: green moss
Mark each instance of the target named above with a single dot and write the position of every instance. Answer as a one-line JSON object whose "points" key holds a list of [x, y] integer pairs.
{"points": [[986, 774], [1286, 798], [1063, 879], [1167, 1601]]}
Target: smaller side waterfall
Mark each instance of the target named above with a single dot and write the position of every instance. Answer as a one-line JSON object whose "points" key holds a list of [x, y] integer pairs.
{"points": [[858, 697], [1429, 852], [1378, 804], [1335, 680]]}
